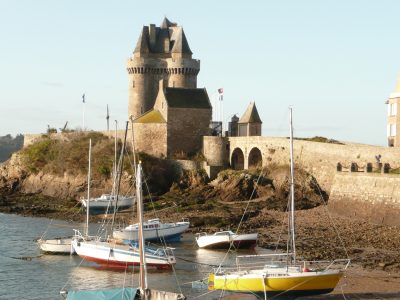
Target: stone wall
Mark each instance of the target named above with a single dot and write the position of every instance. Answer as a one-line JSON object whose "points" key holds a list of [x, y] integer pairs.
{"points": [[30, 138], [186, 128], [373, 197], [320, 159], [151, 138]]}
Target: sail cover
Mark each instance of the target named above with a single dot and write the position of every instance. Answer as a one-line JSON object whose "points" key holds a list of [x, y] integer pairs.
{"points": [[109, 294]]}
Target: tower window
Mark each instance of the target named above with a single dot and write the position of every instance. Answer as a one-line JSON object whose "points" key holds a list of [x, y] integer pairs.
{"points": [[133, 83], [393, 107], [391, 130]]}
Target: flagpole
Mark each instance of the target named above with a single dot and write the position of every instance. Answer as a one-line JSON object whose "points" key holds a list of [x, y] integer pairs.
{"points": [[83, 117], [83, 114], [222, 115], [108, 122], [221, 109]]}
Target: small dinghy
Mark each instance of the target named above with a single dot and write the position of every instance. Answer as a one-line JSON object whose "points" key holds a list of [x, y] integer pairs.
{"points": [[56, 246]]}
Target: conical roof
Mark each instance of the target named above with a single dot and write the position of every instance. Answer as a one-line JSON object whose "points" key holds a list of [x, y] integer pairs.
{"points": [[167, 23], [142, 45], [181, 44], [251, 114]]}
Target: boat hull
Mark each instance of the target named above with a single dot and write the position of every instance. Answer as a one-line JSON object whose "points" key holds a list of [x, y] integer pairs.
{"points": [[241, 241], [307, 284], [106, 204], [118, 255], [171, 233]]}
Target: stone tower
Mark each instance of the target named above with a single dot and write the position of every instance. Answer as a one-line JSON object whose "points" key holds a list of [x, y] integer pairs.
{"points": [[161, 53], [393, 120]]}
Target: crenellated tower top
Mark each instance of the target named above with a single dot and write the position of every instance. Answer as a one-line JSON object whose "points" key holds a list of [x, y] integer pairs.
{"points": [[161, 53]]}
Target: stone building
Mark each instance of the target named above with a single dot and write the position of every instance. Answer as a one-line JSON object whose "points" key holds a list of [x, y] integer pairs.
{"points": [[393, 120], [176, 124], [171, 115]]}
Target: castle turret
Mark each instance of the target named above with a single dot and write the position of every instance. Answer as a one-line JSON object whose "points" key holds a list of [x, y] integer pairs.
{"points": [[161, 53], [393, 120], [250, 122]]}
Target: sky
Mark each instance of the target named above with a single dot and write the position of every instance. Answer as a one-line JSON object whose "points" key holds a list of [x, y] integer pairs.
{"points": [[334, 62]]}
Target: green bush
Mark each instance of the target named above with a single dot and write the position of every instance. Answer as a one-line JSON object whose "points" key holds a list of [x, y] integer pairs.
{"points": [[71, 155]]}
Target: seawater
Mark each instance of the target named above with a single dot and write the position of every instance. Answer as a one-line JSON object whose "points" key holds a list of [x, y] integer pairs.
{"points": [[27, 274]]}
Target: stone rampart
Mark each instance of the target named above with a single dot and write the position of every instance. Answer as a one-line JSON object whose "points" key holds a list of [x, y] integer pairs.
{"points": [[31, 138], [373, 197], [319, 159]]}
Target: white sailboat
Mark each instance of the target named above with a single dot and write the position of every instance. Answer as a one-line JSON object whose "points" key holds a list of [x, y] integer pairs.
{"points": [[106, 203], [282, 274], [153, 230]]}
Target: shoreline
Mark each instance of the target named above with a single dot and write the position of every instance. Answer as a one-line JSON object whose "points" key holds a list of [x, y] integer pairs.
{"points": [[359, 282]]}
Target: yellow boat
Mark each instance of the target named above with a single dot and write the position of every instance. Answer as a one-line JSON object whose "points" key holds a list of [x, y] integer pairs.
{"points": [[279, 279], [280, 274]]}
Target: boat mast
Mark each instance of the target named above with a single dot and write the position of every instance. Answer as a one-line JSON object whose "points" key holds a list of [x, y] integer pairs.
{"points": [[133, 145], [118, 184], [88, 189], [139, 197], [292, 208], [115, 159]]}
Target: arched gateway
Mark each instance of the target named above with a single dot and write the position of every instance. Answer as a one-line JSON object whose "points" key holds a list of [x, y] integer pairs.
{"points": [[255, 158], [237, 159]]}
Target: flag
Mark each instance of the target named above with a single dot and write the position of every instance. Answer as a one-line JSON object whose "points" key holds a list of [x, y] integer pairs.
{"points": [[108, 115], [83, 98], [221, 94]]}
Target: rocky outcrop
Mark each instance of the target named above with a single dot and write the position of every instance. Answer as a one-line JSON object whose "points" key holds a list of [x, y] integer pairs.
{"points": [[15, 178]]}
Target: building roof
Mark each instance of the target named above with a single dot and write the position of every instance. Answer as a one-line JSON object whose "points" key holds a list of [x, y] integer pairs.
{"points": [[180, 44], [152, 116], [142, 44], [167, 23], [177, 42], [187, 98], [250, 115]]}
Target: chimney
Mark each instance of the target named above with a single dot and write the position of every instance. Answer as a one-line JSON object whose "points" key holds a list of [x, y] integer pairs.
{"points": [[152, 35], [161, 86]]}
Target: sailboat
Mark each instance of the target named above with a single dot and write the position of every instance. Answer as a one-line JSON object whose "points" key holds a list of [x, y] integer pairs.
{"points": [[128, 293], [154, 230], [112, 254], [107, 203], [282, 274]]}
